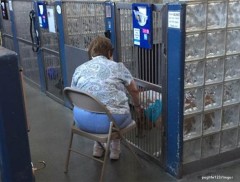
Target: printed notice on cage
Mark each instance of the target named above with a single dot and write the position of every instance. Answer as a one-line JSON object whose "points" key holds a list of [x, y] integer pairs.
{"points": [[174, 19], [51, 20]]}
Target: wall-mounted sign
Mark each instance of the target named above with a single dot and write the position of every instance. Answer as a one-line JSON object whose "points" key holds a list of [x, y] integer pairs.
{"points": [[4, 9], [42, 14], [142, 25], [51, 19], [174, 19]]}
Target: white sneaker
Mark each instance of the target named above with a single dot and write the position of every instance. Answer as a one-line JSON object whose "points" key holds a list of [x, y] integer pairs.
{"points": [[115, 149], [97, 150]]}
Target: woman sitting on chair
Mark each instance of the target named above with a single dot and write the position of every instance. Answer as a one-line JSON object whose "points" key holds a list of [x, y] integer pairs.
{"points": [[109, 82]]}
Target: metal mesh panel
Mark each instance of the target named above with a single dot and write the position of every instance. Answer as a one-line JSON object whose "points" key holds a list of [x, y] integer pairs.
{"points": [[53, 75], [49, 40], [21, 18], [8, 43], [28, 59], [83, 21], [7, 27], [29, 62], [51, 60], [212, 79]]}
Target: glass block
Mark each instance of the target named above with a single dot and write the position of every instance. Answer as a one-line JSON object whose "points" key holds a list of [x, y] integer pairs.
{"points": [[192, 127], [232, 67], [210, 145], [215, 43], [230, 117], [195, 46], [193, 100], [71, 25], [194, 73], [217, 12], [231, 92], [229, 139], [233, 41], [212, 122], [213, 96], [214, 70], [191, 150], [233, 14], [195, 17]]}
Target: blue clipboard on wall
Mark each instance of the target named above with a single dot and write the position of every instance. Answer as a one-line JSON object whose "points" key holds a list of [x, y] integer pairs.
{"points": [[142, 25]]}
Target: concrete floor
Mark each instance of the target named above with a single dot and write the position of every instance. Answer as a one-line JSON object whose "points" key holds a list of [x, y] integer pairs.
{"points": [[49, 134]]}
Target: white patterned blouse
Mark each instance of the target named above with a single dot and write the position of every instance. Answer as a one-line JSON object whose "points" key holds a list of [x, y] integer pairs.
{"points": [[106, 80]]}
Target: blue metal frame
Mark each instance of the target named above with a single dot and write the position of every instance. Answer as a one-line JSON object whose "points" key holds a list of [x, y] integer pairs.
{"points": [[60, 25], [40, 54], [110, 25], [175, 89]]}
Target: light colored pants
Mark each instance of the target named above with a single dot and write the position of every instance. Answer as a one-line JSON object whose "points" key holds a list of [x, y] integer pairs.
{"points": [[98, 123]]}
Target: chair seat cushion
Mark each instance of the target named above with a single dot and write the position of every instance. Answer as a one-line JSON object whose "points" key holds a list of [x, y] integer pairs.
{"points": [[97, 122]]}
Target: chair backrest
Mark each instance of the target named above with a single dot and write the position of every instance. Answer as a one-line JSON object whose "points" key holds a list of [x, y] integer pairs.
{"points": [[86, 101]]}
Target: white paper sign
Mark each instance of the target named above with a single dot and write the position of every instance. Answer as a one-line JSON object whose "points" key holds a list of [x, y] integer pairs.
{"points": [[136, 33], [108, 12], [51, 20], [174, 19], [10, 5]]}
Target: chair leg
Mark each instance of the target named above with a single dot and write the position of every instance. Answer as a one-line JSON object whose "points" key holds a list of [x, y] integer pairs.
{"points": [[104, 161], [68, 154], [106, 152]]}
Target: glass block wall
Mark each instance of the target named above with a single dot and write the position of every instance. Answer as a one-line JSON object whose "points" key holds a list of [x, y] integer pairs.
{"points": [[212, 79], [83, 21]]}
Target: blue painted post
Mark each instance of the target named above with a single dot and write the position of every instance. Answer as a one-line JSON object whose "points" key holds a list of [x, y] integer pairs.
{"points": [[175, 88], [39, 53], [60, 25], [15, 160], [110, 25]]}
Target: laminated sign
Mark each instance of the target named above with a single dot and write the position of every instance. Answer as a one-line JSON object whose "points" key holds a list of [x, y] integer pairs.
{"points": [[142, 25], [42, 14], [4, 9]]}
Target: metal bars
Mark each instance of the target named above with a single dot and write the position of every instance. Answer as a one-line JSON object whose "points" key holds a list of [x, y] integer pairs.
{"points": [[145, 65], [28, 59]]}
